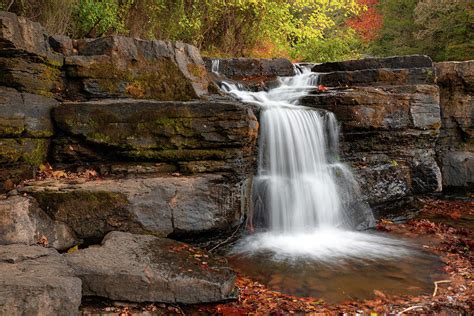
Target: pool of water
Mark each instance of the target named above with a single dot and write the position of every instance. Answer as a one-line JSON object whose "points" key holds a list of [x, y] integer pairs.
{"points": [[335, 277]]}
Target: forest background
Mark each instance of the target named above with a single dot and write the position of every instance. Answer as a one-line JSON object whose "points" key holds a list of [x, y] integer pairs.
{"points": [[302, 30]]}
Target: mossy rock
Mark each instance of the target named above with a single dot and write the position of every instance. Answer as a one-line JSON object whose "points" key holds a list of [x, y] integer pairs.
{"points": [[27, 151]]}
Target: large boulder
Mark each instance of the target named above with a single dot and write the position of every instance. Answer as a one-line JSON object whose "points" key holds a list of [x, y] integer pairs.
{"points": [[161, 205], [116, 66], [27, 62], [143, 268], [217, 135], [23, 222], [456, 142], [37, 281]]}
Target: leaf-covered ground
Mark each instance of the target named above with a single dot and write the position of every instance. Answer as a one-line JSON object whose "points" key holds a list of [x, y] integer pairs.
{"points": [[437, 225]]}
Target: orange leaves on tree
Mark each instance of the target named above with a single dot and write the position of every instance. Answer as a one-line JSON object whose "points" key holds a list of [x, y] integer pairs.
{"points": [[369, 22]]}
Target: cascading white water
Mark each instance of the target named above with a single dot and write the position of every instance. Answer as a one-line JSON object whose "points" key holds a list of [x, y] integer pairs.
{"points": [[306, 200]]}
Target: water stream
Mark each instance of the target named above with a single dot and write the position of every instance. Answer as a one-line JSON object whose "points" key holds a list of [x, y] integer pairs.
{"points": [[307, 213]]}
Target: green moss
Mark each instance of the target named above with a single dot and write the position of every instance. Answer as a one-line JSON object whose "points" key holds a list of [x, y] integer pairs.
{"points": [[180, 126], [100, 138], [25, 150], [38, 154], [11, 127], [179, 154], [161, 80]]}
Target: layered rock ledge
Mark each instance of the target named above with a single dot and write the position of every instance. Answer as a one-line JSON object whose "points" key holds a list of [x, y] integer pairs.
{"points": [[389, 112], [159, 205]]}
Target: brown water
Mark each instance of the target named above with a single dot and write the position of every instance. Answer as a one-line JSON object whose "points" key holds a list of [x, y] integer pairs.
{"points": [[347, 279]]}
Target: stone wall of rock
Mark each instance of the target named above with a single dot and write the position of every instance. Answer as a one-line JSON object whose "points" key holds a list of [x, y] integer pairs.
{"points": [[390, 117], [455, 146]]}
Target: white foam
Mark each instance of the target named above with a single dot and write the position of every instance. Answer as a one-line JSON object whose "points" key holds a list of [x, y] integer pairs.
{"points": [[325, 245]]}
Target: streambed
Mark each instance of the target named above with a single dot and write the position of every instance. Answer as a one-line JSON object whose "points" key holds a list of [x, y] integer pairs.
{"points": [[412, 272]]}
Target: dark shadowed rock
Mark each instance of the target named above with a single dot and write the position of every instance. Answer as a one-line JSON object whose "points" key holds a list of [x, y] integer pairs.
{"points": [[116, 66], [161, 205], [25, 114], [239, 68], [143, 268], [458, 169], [37, 281], [455, 145], [162, 131], [23, 222], [395, 62], [62, 44]]}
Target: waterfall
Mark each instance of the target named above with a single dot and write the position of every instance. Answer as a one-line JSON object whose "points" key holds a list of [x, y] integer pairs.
{"points": [[305, 201]]}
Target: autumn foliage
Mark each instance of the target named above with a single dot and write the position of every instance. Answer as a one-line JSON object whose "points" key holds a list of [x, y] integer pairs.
{"points": [[369, 22]]}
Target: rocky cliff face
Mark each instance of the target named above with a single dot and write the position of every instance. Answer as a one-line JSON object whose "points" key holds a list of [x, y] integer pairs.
{"points": [[455, 146], [390, 117]]}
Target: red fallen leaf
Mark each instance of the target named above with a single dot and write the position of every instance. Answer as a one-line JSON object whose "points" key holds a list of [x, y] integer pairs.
{"points": [[380, 294], [455, 215], [322, 88]]}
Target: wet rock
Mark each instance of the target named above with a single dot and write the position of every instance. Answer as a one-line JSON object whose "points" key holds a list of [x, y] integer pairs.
{"points": [[395, 62], [455, 145], [116, 66], [23, 222], [37, 281], [161, 131], [143, 268], [25, 114], [382, 181], [161, 205]]}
